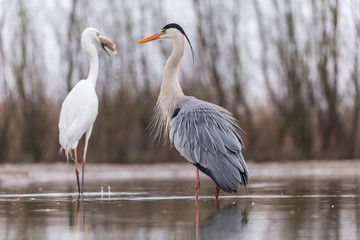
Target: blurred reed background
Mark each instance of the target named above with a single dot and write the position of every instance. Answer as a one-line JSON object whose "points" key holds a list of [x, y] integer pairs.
{"points": [[288, 70]]}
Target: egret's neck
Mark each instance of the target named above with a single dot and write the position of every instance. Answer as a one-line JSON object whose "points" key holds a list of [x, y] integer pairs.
{"points": [[170, 86], [94, 64]]}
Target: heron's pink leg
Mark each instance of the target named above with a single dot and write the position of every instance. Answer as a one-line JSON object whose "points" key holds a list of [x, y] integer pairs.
{"points": [[76, 169], [197, 218], [83, 166], [197, 186], [217, 198], [217, 192]]}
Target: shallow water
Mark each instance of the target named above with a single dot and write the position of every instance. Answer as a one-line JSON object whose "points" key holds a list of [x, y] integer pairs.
{"points": [[276, 209]]}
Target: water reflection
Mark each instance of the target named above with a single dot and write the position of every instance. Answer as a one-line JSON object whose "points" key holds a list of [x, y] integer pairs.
{"points": [[80, 214], [227, 222], [278, 209]]}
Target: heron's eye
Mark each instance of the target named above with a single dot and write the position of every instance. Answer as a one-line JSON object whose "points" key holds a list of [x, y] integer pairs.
{"points": [[163, 31]]}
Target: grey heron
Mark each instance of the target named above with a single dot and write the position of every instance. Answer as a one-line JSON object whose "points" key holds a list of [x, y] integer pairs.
{"points": [[202, 132], [80, 107]]}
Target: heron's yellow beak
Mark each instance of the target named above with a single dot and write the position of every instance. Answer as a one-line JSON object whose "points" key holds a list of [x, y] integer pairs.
{"points": [[150, 38], [105, 42]]}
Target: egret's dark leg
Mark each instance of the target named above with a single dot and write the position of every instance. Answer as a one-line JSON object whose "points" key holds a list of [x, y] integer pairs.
{"points": [[197, 186], [83, 166], [83, 217], [76, 169], [77, 214]]}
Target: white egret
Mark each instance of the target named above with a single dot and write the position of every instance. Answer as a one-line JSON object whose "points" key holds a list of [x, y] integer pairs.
{"points": [[204, 133], [80, 107]]}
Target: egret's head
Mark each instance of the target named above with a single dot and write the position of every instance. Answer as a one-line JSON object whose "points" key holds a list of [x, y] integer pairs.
{"points": [[169, 31], [92, 36]]}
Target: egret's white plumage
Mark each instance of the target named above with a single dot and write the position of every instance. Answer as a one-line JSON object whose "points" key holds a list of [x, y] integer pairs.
{"points": [[80, 107], [78, 114], [204, 133]]}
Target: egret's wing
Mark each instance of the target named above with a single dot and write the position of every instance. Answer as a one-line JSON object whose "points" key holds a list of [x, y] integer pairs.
{"points": [[206, 135], [78, 114]]}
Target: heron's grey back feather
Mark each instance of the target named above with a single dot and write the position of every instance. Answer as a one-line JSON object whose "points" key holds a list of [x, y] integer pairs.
{"points": [[206, 135]]}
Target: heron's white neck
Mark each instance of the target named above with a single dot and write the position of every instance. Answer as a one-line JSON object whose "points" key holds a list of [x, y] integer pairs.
{"points": [[92, 53], [170, 87]]}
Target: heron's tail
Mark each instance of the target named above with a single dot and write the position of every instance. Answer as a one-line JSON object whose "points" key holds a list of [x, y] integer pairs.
{"points": [[229, 176], [245, 176]]}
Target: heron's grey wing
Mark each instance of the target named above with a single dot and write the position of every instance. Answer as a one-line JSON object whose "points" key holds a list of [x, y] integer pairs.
{"points": [[205, 134]]}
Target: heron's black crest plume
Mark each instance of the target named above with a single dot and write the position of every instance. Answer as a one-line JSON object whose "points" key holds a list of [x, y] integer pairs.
{"points": [[178, 27]]}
